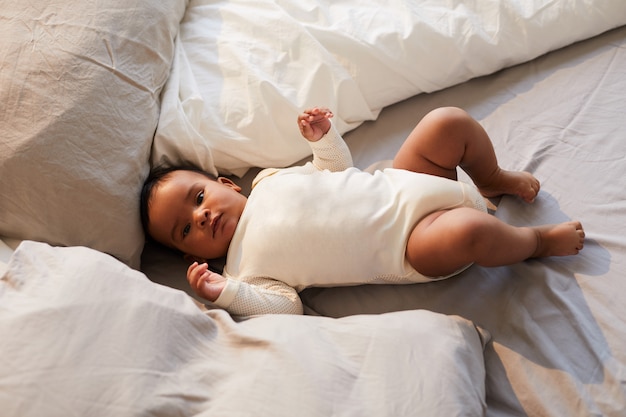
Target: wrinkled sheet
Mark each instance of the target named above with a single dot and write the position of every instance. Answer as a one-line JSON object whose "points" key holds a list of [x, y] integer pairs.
{"points": [[244, 69], [85, 335]]}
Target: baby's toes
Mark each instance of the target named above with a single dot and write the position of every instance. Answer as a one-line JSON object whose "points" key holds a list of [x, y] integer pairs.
{"points": [[530, 194], [530, 187]]}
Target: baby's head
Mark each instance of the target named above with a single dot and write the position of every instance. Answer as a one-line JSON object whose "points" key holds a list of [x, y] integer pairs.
{"points": [[190, 210]]}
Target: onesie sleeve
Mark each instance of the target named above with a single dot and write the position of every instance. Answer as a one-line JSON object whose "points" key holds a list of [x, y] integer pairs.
{"points": [[331, 152], [259, 296]]}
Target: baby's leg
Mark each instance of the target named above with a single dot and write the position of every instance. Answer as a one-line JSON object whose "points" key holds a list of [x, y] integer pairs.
{"points": [[447, 138], [446, 241]]}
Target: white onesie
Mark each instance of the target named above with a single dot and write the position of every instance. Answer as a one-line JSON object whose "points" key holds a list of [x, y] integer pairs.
{"points": [[328, 224]]}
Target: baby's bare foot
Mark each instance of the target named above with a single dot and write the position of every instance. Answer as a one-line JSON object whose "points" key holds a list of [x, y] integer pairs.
{"points": [[561, 239], [520, 183]]}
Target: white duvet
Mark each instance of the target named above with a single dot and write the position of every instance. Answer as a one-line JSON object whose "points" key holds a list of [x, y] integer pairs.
{"points": [[244, 69]]}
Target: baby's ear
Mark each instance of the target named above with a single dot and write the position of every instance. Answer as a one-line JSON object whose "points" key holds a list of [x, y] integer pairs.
{"points": [[229, 183], [191, 259]]}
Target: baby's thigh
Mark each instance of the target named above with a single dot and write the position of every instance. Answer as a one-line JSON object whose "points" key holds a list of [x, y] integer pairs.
{"points": [[437, 245]]}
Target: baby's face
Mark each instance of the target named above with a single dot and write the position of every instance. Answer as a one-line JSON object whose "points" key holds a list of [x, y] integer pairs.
{"points": [[195, 214]]}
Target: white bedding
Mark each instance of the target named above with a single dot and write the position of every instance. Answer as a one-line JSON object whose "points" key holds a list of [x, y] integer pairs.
{"points": [[85, 335], [557, 325], [81, 88], [244, 69]]}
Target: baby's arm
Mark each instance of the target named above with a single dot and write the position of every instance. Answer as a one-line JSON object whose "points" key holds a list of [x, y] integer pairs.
{"points": [[259, 296], [329, 149]]}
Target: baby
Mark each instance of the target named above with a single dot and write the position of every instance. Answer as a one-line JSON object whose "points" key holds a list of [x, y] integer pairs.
{"points": [[327, 223]]}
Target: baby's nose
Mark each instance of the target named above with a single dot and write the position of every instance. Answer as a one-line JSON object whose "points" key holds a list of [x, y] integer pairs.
{"points": [[202, 217]]}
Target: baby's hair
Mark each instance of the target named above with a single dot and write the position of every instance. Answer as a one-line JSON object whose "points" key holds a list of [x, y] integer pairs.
{"points": [[154, 180]]}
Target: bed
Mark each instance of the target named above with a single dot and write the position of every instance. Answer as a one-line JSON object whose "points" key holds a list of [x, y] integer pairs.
{"points": [[96, 321]]}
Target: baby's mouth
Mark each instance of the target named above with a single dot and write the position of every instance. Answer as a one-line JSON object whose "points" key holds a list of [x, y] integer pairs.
{"points": [[215, 223]]}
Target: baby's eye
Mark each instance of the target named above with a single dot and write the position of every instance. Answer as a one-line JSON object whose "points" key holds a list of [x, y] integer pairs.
{"points": [[186, 230], [200, 197]]}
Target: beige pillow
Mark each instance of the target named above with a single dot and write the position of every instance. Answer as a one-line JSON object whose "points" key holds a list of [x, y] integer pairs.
{"points": [[84, 335], [79, 87]]}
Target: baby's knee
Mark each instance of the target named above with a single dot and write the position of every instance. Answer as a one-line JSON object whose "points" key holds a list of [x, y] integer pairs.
{"points": [[450, 122], [449, 115]]}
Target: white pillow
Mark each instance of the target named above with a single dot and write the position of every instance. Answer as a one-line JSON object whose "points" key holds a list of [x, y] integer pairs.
{"points": [[79, 87], [85, 335]]}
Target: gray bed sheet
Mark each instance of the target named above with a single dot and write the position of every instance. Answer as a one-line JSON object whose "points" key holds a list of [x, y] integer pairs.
{"points": [[558, 326]]}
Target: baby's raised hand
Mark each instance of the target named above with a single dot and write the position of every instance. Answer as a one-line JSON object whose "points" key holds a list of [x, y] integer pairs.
{"points": [[314, 123], [204, 282]]}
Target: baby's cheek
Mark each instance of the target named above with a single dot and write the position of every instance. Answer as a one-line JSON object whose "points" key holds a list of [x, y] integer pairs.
{"points": [[229, 229]]}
